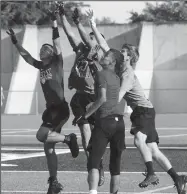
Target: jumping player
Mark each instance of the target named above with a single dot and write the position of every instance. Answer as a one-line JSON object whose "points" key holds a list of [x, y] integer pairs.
{"points": [[109, 125], [57, 110], [86, 64], [143, 116]]}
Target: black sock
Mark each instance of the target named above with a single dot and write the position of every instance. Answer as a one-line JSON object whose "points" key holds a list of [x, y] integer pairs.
{"points": [[173, 174], [149, 166]]}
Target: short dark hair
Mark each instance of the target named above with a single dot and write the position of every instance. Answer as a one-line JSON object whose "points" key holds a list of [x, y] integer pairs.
{"points": [[118, 56], [46, 44], [91, 33], [132, 52]]}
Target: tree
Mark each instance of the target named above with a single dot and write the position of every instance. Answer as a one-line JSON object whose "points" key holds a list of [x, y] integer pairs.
{"points": [[33, 12], [161, 13], [104, 21]]}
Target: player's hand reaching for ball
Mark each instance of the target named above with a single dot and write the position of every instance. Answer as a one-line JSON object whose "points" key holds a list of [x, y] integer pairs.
{"points": [[60, 8], [76, 16], [12, 35], [91, 17]]}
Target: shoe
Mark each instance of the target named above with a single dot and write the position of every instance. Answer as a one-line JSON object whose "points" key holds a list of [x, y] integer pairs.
{"points": [[101, 175], [149, 180], [73, 145], [181, 184], [54, 186]]}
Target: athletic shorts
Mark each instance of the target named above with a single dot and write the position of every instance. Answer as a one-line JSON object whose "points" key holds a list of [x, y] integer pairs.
{"points": [[110, 129], [78, 105], [56, 116], [143, 120]]}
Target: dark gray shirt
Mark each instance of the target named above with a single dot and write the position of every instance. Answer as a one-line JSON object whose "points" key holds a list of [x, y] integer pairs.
{"points": [[111, 82]]}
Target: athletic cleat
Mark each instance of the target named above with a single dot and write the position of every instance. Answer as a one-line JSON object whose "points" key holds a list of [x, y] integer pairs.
{"points": [[149, 180], [101, 175], [181, 184], [54, 186], [73, 145]]}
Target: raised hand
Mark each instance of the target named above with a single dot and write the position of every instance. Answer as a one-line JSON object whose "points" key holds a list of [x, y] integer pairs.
{"points": [[12, 35], [90, 14], [76, 16], [60, 8]]}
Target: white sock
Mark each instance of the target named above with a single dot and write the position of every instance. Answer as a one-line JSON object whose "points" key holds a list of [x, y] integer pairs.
{"points": [[92, 192]]}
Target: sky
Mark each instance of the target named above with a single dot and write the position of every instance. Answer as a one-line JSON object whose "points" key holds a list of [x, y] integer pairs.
{"points": [[116, 10]]}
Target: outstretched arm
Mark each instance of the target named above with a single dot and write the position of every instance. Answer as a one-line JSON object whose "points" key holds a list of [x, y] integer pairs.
{"points": [[84, 35], [101, 41], [24, 53], [55, 34], [126, 84], [67, 27]]}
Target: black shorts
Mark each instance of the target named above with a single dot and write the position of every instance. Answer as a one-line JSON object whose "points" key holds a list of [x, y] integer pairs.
{"points": [[56, 116], [78, 105], [111, 130], [143, 120]]}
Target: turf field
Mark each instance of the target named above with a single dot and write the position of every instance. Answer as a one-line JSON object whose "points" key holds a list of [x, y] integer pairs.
{"points": [[24, 168]]}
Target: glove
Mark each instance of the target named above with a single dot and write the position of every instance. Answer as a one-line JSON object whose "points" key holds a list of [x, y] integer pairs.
{"points": [[60, 8], [76, 16], [78, 120], [12, 35]]}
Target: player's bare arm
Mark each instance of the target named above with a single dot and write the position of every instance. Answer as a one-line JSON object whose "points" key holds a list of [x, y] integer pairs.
{"points": [[24, 53], [101, 41], [126, 83], [83, 34], [96, 105], [67, 27], [55, 34]]}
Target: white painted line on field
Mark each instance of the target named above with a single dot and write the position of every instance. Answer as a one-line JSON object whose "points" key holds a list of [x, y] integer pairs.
{"points": [[127, 137], [8, 165], [84, 172], [81, 148], [9, 157], [76, 129], [73, 192]]}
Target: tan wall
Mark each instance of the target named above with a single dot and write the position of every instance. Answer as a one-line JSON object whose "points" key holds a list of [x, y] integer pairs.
{"points": [[170, 68]]}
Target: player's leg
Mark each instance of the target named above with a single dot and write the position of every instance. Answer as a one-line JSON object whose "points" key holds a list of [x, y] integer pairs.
{"points": [[54, 118], [141, 128], [98, 146], [78, 108], [163, 161], [117, 145]]}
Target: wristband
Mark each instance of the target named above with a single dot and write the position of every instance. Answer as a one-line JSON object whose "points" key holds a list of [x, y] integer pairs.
{"points": [[14, 40], [55, 33], [92, 22]]}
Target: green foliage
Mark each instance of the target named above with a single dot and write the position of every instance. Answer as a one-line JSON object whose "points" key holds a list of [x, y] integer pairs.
{"points": [[33, 12], [162, 13]]}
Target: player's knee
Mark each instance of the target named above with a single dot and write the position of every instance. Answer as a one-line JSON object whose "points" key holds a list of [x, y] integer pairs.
{"points": [[114, 169], [42, 134], [49, 148], [140, 139], [93, 163]]}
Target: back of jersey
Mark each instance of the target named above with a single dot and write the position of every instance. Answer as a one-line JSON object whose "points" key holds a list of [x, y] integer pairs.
{"points": [[85, 67]]}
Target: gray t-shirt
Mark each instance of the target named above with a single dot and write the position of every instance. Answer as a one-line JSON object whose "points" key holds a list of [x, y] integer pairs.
{"points": [[134, 92], [111, 82]]}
